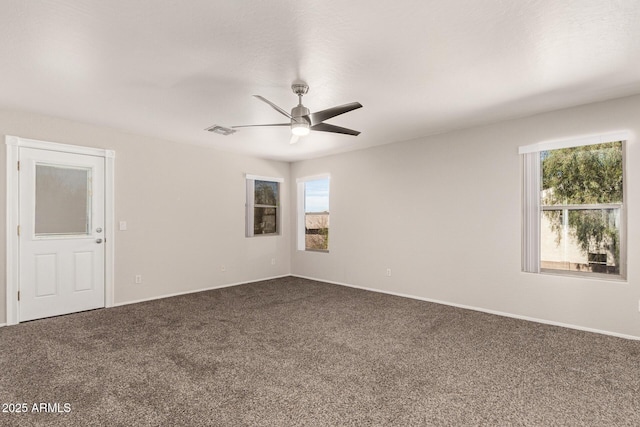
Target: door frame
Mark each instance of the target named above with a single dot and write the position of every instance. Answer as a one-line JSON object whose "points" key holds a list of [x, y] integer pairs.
{"points": [[14, 143]]}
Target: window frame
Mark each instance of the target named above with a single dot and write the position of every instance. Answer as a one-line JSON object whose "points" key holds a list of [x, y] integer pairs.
{"points": [[250, 204], [532, 207], [301, 214]]}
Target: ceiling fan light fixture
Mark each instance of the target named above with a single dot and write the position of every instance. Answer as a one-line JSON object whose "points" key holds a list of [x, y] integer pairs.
{"points": [[300, 129]]}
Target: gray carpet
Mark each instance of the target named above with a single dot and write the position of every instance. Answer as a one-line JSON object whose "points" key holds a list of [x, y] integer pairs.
{"points": [[297, 352]]}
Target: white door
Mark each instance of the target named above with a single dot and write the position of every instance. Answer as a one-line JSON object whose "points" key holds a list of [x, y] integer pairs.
{"points": [[61, 241]]}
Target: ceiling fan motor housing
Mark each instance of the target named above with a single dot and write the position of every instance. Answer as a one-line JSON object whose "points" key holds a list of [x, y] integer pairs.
{"points": [[300, 120], [299, 111]]}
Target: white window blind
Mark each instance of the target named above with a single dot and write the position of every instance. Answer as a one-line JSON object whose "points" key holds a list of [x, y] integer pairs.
{"points": [[531, 213]]}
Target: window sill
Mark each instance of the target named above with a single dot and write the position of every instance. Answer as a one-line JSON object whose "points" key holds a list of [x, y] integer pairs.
{"points": [[584, 275]]}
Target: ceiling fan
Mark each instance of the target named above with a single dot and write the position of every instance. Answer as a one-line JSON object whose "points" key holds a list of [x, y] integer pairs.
{"points": [[302, 121]]}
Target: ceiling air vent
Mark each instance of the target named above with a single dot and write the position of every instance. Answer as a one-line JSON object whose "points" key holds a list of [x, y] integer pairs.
{"points": [[221, 130]]}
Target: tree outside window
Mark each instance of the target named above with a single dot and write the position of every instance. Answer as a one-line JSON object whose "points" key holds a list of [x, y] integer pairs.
{"points": [[581, 202]]}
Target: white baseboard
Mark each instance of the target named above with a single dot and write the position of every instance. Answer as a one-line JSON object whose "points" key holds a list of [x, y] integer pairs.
{"points": [[483, 310], [197, 290], [398, 294]]}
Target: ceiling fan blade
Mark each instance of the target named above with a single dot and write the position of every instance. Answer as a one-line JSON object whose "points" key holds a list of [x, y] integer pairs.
{"points": [[274, 106], [294, 139], [321, 116], [265, 125], [326, 127]]}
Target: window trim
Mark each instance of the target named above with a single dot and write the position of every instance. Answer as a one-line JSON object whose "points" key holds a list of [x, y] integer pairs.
{"points": [[532, 207], [556, 144], [300, 217], [250, 204]]}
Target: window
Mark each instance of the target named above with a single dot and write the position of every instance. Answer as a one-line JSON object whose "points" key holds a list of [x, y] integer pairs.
{"points": [[573, 207], [263, 206], [313, 213], [63, 200]]}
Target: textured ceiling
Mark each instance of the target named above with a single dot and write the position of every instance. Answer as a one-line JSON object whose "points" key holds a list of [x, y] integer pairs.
{"points": [[170, 69]]}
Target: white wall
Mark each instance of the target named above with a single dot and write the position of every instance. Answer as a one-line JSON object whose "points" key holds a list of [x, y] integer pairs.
{"points": [[184, 206], [444, 213]]}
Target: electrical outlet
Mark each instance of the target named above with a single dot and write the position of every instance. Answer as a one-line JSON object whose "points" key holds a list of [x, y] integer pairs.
{"points": [[273, 261], [138, 279], [223, 268], [388, 272]]}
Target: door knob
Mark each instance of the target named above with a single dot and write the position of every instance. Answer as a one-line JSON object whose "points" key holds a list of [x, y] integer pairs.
{"points": [[98, 240]]}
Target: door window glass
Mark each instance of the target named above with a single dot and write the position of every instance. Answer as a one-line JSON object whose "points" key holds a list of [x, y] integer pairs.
{"points": [[63, 200]]}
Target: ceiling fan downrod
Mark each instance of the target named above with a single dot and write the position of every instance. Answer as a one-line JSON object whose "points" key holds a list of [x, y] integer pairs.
{"points": [[300, 122]]}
